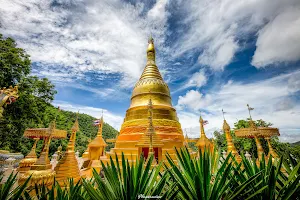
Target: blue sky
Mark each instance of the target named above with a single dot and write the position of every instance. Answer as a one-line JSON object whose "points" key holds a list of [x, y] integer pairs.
{"points": [[213, 54]]}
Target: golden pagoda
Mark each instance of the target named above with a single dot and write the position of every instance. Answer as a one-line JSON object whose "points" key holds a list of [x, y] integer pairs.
{"points": [[96, 149], [67, 167], [41, 171], [203, 142], [136, 124], [29, 160], [230, 145]]}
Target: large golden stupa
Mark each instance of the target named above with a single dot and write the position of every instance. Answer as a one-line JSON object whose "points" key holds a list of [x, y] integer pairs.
{"points": [[165, 122]]}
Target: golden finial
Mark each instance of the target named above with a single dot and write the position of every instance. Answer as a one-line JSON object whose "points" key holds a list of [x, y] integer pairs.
{"points": [[150, 51], [150, 40], [249, 109], [225, 124], [223, 114], [201, 119], [202, 123], [100, 126]]}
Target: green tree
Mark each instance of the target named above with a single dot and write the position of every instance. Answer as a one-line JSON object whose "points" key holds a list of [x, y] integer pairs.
{"points": [[34, 96], [14, 62]]}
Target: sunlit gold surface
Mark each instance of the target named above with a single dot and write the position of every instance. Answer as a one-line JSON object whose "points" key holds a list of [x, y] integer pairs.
{"points": [[7, 96], [271, 150], [67, 167], [95, 151], [29, 160], [41, 170], [150, 139], [259, 132], [165, 122], [230, 145], [203, 142]]}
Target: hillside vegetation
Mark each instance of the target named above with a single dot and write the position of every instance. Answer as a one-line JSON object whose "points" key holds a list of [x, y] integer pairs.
{"points": [[33, 108]]}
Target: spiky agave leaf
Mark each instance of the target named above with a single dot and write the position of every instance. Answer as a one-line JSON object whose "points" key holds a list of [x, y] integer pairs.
{"points": [[272, 182], [8, 192], [127, 181], [203, 178]]}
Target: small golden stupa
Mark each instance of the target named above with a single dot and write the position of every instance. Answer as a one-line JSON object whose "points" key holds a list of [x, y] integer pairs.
{"points": [[136, 124], [41, 171], [96, 149], [230, 145], [67, 166], [204, 142], [29, 160]]}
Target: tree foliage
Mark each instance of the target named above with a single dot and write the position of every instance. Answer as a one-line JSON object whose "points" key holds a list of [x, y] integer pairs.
{"points": [[14, 62], [33, 108]]}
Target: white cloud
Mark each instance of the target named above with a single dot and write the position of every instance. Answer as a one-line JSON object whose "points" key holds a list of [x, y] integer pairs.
{"points": [[103, 36], [158, 12], [271, 98], [113, 119], [216, 27], [197, 80], [193, 100], [279, 40]]}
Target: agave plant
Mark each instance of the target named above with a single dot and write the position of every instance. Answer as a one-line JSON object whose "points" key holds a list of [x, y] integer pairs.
{"points": [[206, 177], [273, 182], [7, 190], [129, 181], [70, 191], [203, 178]]}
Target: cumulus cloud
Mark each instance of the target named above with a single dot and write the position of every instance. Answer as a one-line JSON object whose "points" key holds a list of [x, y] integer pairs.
{"points": [[216, 27], [159, 12], [294, 83], [272, 99], [197, 80], [111, 118], [278, 41], [102, 36], [193, 100]]}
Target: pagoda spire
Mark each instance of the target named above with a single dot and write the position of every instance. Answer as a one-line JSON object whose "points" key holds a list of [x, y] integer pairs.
{"points": [[202, 132], [203, 142], [74, 129], [151, 51], [230, 145], [150, 138], [150, 128], [100, 126], [151, 70], [67, 167]]}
